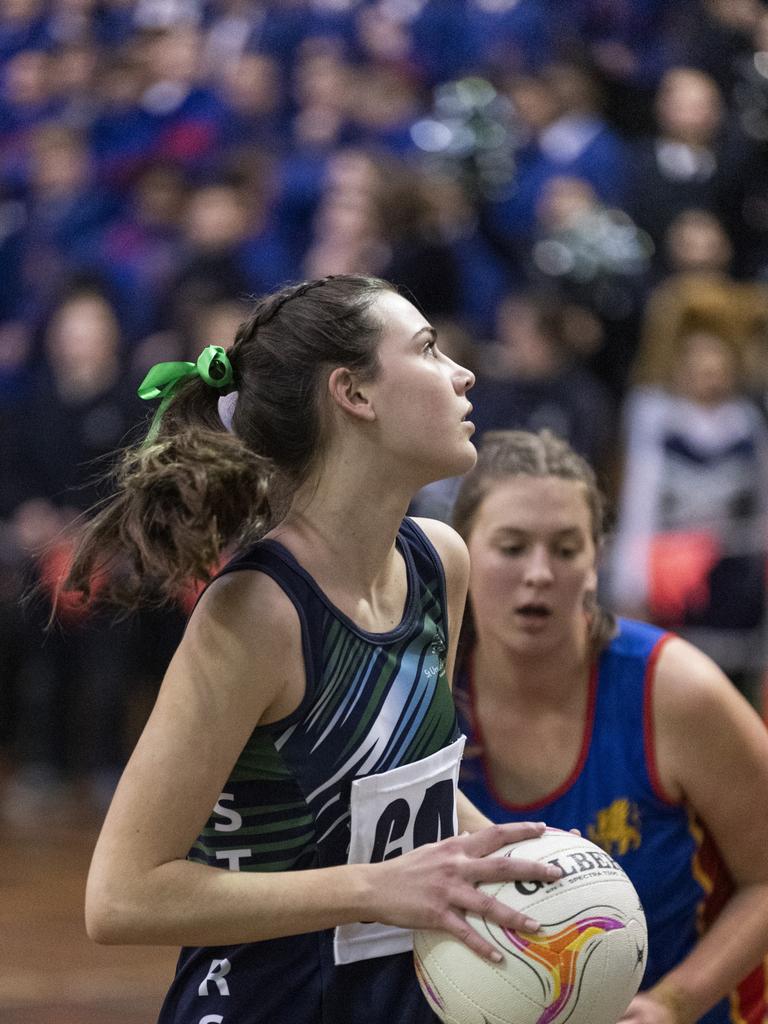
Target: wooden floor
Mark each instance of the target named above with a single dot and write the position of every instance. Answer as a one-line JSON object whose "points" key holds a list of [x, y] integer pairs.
{"points": [[50, 972]]}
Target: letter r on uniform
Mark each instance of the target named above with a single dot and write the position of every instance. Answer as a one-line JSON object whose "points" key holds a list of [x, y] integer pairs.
{"points": [[216, 973]]}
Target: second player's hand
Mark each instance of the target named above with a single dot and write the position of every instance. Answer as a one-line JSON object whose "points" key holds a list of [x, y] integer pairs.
{"points": [[645, 1009], [434, 886]]}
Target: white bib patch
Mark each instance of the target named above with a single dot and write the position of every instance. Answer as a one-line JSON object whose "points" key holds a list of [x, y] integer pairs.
{"points": [[391, 814]]}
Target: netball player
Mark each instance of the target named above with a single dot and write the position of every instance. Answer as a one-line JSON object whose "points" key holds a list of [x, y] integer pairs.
{"points": [[289, 812], [617, 728]]}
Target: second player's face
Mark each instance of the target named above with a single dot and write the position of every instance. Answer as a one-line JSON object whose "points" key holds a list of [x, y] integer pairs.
{"points": [[420, 396], [533, 563]]}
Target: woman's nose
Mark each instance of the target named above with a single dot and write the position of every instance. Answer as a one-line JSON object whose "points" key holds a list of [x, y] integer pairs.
{"points": [[463, 379], [538, 569]]}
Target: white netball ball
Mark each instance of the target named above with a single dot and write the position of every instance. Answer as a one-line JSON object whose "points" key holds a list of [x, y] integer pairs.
{"points": [[584, 966]]}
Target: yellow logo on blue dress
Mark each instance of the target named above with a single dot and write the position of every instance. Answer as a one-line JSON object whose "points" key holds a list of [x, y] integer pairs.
{"points": [[617, 828]]}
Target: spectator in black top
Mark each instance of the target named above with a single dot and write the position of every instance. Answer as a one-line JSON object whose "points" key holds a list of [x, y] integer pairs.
{"points": [[693, 159], [71, 689]]}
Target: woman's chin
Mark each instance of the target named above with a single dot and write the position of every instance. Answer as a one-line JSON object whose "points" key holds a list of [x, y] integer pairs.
{"points": [[454, 463], [465, 459]]}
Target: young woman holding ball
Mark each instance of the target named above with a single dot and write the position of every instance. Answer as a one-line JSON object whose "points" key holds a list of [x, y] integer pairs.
{"points": [[289, 812]]}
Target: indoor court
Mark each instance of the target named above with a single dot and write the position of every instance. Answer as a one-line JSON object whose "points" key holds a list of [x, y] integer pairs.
{"points": [[52, 973]]}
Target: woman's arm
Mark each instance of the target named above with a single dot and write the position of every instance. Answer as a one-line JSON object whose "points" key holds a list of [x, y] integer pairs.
{"points": [[712, 752], [470, 818], [240, 662], [455, 558]]}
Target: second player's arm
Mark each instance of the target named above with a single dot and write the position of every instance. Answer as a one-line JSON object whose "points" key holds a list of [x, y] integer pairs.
{"points": [[712, 751]]}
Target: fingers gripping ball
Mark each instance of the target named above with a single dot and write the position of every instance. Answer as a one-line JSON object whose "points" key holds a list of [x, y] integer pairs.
{"points": [[584, 965]]}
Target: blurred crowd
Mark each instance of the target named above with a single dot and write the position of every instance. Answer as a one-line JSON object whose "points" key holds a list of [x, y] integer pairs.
{"points": [[576, 194]]}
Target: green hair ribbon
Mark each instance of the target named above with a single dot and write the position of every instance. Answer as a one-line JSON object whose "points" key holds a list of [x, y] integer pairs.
{"points": [[163, 380]]}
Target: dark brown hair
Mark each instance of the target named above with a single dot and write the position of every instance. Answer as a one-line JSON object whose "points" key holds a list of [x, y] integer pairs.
{"points": [[509, 453], [196, 488]]}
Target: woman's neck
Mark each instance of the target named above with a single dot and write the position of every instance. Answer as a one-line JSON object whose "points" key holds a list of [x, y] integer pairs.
{"points": [[345, 525], [537, 680]]}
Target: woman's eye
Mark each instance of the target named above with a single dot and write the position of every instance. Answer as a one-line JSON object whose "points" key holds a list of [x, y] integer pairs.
{"points": [[430, 348], [512, 549], [568, 552]]}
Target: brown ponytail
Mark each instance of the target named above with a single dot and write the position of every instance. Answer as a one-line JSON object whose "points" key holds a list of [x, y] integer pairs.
{"points": [[196, 488]]}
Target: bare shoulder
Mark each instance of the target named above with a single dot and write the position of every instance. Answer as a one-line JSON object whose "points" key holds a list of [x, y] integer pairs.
{"points": [[689, 685], [449, 546], [706, 732], [244, 626], [453, 553], [248, 600], [712, 754]]}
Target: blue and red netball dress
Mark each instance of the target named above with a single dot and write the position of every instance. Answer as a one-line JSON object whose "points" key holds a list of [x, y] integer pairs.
{"points": [[615, 798], [365, 769]]}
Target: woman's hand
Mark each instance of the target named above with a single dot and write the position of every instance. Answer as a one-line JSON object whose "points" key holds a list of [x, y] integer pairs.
{"points": [[434, 886], [651, 1008]]}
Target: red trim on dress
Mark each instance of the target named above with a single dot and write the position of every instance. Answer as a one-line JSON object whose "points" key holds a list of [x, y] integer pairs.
{"points": [[583, 753], [649, 738], [747, 999], [750, 997], [711, 872]]}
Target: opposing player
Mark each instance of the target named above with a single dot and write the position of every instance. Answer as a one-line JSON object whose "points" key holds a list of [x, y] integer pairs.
{"points": [[617, 728], [289, 811]]}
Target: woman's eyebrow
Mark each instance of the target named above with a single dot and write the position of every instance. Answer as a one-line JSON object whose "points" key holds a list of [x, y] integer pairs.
{"points": [[426, 330], [562, 532]]}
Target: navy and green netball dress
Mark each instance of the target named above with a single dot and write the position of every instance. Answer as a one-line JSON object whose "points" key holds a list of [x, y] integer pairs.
{"points": [[615, 798], [365, 769]]}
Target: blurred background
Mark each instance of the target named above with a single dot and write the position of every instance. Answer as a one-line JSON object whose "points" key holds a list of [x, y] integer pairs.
{"points": [[575, 192]]}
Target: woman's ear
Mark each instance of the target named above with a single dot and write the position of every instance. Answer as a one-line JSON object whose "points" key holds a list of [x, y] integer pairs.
{"points": [[350, 395]]}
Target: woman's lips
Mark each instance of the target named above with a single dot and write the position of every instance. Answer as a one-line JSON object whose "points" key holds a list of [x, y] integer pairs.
{"points": [[535, 615], [541, 610]]}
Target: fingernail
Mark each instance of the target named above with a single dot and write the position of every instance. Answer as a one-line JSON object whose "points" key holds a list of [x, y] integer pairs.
{"points": [[530, 925], [496, 957], [554, 872]]}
